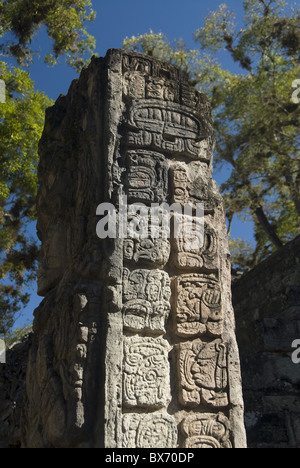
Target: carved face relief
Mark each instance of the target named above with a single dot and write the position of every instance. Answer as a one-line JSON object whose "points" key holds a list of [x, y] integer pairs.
{"points": [[149, 430], [203, 373], [155, 88], [146, 371], [147, 177], [206, 431], [198, 306]]}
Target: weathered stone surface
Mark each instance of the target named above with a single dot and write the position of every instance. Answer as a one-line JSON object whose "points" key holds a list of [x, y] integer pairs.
{"points": [[149, 430], [111, 365], [189, 186]]}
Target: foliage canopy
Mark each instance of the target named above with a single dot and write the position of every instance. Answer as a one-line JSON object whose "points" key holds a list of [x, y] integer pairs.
{"points": [[21, 124], [64, 20]]}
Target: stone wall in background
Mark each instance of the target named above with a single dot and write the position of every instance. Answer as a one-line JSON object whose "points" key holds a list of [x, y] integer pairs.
{"points": [[134, 344], [12, 392], [267, 309]]}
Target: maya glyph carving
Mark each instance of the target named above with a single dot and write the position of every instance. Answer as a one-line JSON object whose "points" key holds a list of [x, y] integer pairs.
{"points": [[149, 430], [202, 373], [198, 306], [146, 372], [207, 431]]}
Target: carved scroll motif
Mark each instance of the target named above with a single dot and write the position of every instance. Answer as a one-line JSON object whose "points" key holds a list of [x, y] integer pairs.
{"points": [[206, 431], [146, 372], [198, 306], [168, 127], [149, 431], [203, 374], [146, 177], [146, 299]]}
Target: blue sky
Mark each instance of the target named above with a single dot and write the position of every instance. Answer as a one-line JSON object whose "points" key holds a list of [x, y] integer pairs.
{"points": [[117, 19]]}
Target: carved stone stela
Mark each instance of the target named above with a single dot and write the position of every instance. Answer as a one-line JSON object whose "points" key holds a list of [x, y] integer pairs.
{"points": [[134, 343]]}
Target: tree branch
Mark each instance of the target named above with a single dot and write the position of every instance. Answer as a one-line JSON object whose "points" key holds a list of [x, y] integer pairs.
{"points": [[264, 222]]}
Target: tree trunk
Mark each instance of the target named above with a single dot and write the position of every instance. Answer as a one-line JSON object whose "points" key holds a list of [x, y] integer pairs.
{"points": [[259, 212], [294, 187], [263, 220]]}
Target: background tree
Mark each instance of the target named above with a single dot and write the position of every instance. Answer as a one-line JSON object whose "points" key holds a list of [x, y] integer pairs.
{"points": [[21, 125], [256, 121], [66, 24]]}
